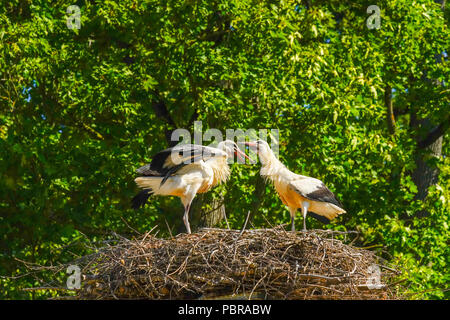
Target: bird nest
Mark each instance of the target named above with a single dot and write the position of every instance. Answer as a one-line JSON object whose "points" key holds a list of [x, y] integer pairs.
{"points": [[233, 264]]}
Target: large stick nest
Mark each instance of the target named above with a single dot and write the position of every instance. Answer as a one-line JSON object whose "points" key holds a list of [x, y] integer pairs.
{"points": [[220, 263]]}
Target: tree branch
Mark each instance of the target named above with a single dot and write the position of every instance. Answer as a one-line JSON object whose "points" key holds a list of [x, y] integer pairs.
{"points": [[390, 109], [400, 112], [162, 112], [92, 132], [435, 134], [193, 118]]}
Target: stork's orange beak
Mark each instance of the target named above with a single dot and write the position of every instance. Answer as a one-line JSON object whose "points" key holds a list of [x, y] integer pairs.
{"points": [[251, 144], [238, 152]]}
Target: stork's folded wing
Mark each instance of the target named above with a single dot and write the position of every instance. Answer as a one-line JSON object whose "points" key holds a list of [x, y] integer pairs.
{"points": [[173, 159], [315, 190]]}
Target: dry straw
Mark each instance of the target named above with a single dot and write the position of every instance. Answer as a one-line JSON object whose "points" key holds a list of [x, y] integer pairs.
{"points": [[233, 264]]}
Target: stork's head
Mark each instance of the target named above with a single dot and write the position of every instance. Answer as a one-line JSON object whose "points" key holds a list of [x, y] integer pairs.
{"points": [[231, 148], [263, 150]]}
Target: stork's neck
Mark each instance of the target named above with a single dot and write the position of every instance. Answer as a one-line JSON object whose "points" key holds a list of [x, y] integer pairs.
{"points": [[271, 166]]}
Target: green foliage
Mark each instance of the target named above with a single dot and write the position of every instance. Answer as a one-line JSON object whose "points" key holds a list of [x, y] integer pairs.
{"points": [[77, 118]]}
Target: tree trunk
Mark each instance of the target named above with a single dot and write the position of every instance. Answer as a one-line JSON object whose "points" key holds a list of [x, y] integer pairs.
{"points": [[429, 147], [207, 217], [426, 173], [260, 190]]}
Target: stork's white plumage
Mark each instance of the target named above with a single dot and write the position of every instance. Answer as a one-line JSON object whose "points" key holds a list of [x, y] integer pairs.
{"points": [[297, 191], [184, 171]]}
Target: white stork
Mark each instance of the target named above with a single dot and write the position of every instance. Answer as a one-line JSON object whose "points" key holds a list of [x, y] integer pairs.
{"points": [[297, 191], [184, 171]]}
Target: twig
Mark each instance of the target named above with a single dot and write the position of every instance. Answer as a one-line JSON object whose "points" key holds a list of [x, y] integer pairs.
{"points": [[245, 224]]}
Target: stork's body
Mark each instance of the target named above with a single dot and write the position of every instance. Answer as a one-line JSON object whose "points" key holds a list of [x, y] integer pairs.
{"points": [[184, 171], [297, 191]]}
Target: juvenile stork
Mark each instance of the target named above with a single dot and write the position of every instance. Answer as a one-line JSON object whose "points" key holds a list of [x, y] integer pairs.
{"points": [[297, 191], [184, 171]]}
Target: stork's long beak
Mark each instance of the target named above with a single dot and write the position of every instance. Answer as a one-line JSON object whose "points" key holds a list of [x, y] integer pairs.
{"points": [[251, 144], [238, 152]]}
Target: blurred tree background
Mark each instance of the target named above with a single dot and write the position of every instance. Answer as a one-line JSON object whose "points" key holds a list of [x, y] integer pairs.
{"points": [[365, 110]]}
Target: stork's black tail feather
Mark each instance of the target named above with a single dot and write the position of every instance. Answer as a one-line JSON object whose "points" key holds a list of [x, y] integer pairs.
{"points": [[316, 216], [141, 198]]}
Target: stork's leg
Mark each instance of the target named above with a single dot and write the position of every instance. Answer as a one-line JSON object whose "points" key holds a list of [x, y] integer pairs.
{"points": [[292, 211], [305, 212], [186, 217], [190, 193]]}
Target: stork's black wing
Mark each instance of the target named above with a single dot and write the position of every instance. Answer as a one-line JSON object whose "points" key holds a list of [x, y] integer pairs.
{"points": [[317, 192], [167, 162], [325, 195], [156, 167], [168, 159]]}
